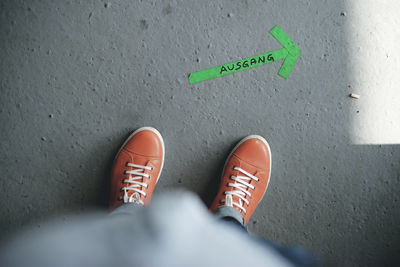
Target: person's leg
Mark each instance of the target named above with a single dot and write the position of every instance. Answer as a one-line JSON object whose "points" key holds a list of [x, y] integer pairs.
{"points": [[175, 230], [244, 180], [230, 215], [96, 239], [137, 168], [243, 184]]}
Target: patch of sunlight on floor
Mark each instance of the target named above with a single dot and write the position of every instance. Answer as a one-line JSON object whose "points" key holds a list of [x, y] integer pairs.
{"points": [[374, 56]]}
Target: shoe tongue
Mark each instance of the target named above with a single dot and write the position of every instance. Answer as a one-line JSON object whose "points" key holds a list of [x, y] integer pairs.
{"points": [[228, 200]]}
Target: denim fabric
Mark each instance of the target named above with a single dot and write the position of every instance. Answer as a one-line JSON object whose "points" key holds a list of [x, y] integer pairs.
{"points": [[175, 230], [225, 211]]}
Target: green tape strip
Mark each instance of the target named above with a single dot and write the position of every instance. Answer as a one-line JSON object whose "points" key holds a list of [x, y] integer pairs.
{"points": [[238, 65], [289, 53]]}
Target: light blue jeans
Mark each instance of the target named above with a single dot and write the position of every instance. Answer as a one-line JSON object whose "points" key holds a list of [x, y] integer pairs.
{"points": [[175, 230]]}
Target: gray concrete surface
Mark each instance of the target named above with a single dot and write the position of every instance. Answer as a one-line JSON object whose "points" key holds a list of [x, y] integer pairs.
{"points": [[78, 76]]}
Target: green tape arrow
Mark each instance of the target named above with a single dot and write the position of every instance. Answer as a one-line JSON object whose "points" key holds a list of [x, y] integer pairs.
{"points": [[290, 52]]}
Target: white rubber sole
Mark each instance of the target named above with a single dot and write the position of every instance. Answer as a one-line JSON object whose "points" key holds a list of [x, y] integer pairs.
{"points": [[259, 137], [162, 144]]}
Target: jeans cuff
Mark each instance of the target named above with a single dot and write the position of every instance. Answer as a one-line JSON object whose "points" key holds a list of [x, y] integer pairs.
{"points": [[225, 211]]}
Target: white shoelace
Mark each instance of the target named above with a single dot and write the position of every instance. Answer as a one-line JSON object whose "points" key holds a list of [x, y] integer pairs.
{"points": [[135, 182], [242, 183]]}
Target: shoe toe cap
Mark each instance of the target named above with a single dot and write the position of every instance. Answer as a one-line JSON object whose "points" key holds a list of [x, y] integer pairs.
{"points": [[255, 151], [147, 143]]}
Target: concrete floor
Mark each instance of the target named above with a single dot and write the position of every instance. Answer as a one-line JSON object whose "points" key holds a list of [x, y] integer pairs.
{"points": [[78, 76]]}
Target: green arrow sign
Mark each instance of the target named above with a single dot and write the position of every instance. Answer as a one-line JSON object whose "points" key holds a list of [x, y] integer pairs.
{"points": [[290, 52]]}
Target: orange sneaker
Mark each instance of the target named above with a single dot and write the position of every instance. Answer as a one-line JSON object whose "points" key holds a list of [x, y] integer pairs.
{"points": [[245, 177], [137, 168]]}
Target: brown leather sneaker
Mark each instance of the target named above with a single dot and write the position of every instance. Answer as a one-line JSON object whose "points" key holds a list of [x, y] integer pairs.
{"points": [[137, 168], [245, 176]]}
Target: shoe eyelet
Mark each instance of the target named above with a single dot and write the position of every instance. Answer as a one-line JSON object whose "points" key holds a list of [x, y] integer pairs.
{"points": [[126, 164], [227, 184], [221, 202], [233, 168], [125, 172]]}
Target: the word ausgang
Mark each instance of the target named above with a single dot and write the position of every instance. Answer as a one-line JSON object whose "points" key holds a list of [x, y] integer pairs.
{"points": [[245, 63]]}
